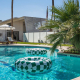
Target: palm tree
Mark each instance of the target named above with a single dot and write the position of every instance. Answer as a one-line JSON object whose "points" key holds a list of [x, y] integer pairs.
{"points": [[52, 8], [67, 20], [12, 18], [47, 13]]}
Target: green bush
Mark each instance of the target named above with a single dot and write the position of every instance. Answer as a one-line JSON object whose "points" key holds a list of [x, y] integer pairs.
{"points": [[73, 51]]}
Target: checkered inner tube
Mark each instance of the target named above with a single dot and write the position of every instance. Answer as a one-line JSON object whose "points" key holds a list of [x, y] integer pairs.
{"points": [[33, 64], [37, 52]]}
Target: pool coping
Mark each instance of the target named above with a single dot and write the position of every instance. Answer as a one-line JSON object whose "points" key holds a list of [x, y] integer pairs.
{"points": [[78, 78], [46, 46], [69, 54], [29, 45], [24, 45]]}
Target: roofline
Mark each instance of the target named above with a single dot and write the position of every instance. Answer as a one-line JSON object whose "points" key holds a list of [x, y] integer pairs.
{"points": [[9, 20], [16, 19], [34, 17]]}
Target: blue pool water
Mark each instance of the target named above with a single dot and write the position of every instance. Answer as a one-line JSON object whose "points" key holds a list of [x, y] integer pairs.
{"points": [[63, 68]]}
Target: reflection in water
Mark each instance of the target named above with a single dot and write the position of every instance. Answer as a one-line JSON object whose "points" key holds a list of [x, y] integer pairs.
{"points": [[6, 64], [10, 52]]}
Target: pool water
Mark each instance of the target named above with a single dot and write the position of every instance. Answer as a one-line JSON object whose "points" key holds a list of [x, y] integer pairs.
{"points": [[63, 68]]}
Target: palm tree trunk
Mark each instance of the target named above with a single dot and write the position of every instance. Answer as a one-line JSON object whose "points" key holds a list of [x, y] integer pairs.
{"points": [[12, 18], [77, 3], [53, 14], [47, 13]]}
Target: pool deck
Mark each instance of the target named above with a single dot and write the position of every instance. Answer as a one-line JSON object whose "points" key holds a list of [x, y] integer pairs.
{"points": [[78, 78], [60, 48]]}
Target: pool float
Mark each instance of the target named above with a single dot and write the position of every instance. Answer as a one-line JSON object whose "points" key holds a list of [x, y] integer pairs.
{"points": [[37, 52], [33, 64]]}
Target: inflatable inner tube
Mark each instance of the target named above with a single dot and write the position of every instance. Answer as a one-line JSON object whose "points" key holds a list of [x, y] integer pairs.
{"points": [[33, 64], [37, 52]]}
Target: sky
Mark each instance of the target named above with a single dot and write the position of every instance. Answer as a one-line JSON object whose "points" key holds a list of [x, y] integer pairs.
{"points": [[31, 8]]}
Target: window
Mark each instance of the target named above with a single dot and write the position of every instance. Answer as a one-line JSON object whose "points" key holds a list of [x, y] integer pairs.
{"points": [[0, 34], [37, 25]]}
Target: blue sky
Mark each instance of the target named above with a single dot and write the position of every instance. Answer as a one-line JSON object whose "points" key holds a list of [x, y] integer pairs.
{"points": [[33, 8]]}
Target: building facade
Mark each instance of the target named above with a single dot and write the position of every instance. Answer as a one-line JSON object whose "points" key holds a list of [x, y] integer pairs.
{"points": [[23, 25]]}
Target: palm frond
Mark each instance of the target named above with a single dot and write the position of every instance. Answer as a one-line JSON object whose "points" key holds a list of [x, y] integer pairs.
{"points": [[58, 42], [75, 25], [75, 40], [52, 37], [67, 21]]}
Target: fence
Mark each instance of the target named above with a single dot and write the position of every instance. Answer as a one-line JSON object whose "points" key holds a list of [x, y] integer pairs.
{"points": [[37, 37]]}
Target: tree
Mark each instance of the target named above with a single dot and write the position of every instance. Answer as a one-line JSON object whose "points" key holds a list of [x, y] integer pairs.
{"points": [[12, 18], [67, 20], [52, 5]]}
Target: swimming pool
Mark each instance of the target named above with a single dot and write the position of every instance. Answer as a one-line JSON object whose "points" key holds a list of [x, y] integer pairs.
{"points": [[63, 68]]}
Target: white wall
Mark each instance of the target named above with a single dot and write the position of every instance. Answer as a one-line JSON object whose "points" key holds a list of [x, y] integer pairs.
{"points": [[3, 37], [30, 38], [25, 37], [36, 37], [43, 36], [19, 27]]}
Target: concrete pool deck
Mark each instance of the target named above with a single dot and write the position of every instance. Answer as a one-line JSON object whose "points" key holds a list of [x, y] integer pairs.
{"points": [[60, 48], [78, 78]]}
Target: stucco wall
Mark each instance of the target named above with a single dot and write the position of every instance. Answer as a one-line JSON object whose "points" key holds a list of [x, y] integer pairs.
{"points": [[29, 23], [36, 37], [3, 36], [19, 27]]}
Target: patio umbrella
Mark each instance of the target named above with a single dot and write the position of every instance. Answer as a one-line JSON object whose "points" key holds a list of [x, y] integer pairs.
{"points": [[6, 27]]}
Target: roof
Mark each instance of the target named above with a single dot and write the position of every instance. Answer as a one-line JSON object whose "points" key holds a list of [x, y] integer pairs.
{"points": [[15, 19], [9, 20]]}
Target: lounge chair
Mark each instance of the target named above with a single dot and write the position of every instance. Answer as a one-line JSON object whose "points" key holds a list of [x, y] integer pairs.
{"points": [[10, 40]]}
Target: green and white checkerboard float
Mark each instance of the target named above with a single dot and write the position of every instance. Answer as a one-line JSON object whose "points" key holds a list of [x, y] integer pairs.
{"points": [[37, 52], [33, 64]]}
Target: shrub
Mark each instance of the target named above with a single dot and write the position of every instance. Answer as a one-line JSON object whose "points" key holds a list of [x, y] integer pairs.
{"points": [[73, 51]]}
